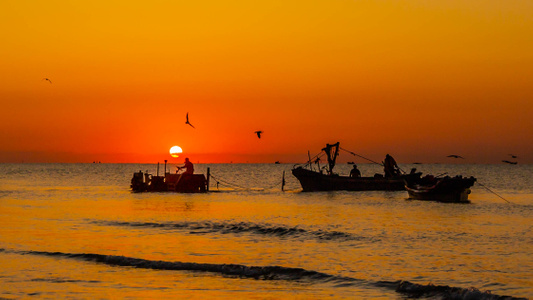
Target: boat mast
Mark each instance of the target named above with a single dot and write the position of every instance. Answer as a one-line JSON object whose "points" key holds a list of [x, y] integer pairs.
{"points": [[332, 156]]}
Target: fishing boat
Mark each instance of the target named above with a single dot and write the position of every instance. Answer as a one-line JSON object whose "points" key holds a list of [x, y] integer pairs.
{"points": [[181, 183], [319, 180], [445, 189]]}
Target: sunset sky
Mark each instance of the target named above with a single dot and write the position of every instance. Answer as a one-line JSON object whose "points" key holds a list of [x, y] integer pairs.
{"points": [[417, 79]]}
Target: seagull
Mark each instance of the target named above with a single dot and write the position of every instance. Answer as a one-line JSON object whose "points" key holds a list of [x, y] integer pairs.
{"points": [[509, 162], [455, 156], [187, 120], [258, 133], [47, 80], [513, 156]]}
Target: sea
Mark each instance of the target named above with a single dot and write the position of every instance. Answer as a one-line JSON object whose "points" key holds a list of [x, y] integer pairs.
{"points": [[77, 231]]}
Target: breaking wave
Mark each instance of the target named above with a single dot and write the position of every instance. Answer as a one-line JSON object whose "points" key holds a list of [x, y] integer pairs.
{"points": [[242, 227], [407, 288]]}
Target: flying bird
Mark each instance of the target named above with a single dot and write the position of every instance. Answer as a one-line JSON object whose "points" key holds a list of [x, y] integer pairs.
{"points": [[258, 133], [47, 79], [510, 162], [455, 156], [187, 120], [513, 156]]}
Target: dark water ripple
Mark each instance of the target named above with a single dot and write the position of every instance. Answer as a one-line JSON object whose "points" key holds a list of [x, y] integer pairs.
{"points": [[6, 193], [63, 280], [414, 290], [276, 273], [242, 227]]}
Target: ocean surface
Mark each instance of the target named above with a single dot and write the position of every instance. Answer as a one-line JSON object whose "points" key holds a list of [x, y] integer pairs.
{"points": [[76, 231]]}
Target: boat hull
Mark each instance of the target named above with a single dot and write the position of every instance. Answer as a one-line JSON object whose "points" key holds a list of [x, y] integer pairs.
{"points": [[181, 183], [451, 190], [460, 196], [312, 181]]}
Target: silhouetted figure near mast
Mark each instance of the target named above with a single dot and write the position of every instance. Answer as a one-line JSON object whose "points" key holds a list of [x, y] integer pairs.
{"points": [[390, 167]]}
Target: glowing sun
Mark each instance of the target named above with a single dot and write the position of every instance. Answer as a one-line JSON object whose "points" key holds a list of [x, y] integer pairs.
{"points": [[175, 151]]}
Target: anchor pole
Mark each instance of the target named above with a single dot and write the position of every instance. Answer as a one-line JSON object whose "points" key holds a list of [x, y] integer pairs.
{"points": [[208, 176], [283, 181]]}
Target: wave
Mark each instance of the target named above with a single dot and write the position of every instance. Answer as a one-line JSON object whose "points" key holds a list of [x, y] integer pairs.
{"points": [[414, 290], [242, 227], [256, 272], [407, 288], [6, 193], [63, 280]]}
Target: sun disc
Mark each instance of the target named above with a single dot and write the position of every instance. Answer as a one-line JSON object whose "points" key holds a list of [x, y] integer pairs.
{"points": [[175, 151]]}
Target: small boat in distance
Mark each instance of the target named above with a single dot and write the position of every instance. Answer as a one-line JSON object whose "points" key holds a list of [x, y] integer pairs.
{"points": [[445, 189], [181, 183], [312, 180]]}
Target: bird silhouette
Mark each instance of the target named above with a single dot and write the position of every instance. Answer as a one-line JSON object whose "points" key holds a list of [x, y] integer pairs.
{"points": [[455, 156], [47, 80], [509, 162], [187, 120], [258, 133], [513, 156]]}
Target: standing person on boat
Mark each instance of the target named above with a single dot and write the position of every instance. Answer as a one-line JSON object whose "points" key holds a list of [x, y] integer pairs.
{"points": [[390, 167], [355, 172], [189, 168]]}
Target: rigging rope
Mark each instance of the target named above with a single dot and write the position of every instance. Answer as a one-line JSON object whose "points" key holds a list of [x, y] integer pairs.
{"points": [[315, 159], [493, 192], [218, 180], [239, 187], [381, 164]]}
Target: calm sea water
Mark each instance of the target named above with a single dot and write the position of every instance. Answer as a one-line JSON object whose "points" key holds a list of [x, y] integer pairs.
{"points": [[76, 231]]}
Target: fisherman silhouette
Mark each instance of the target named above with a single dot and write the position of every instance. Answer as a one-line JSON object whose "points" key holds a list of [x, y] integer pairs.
{"points": [[188, 166], [390, 167], [355, 172]]}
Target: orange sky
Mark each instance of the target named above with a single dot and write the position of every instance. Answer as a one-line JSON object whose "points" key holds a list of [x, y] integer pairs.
{"points": [[417, 79]]}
